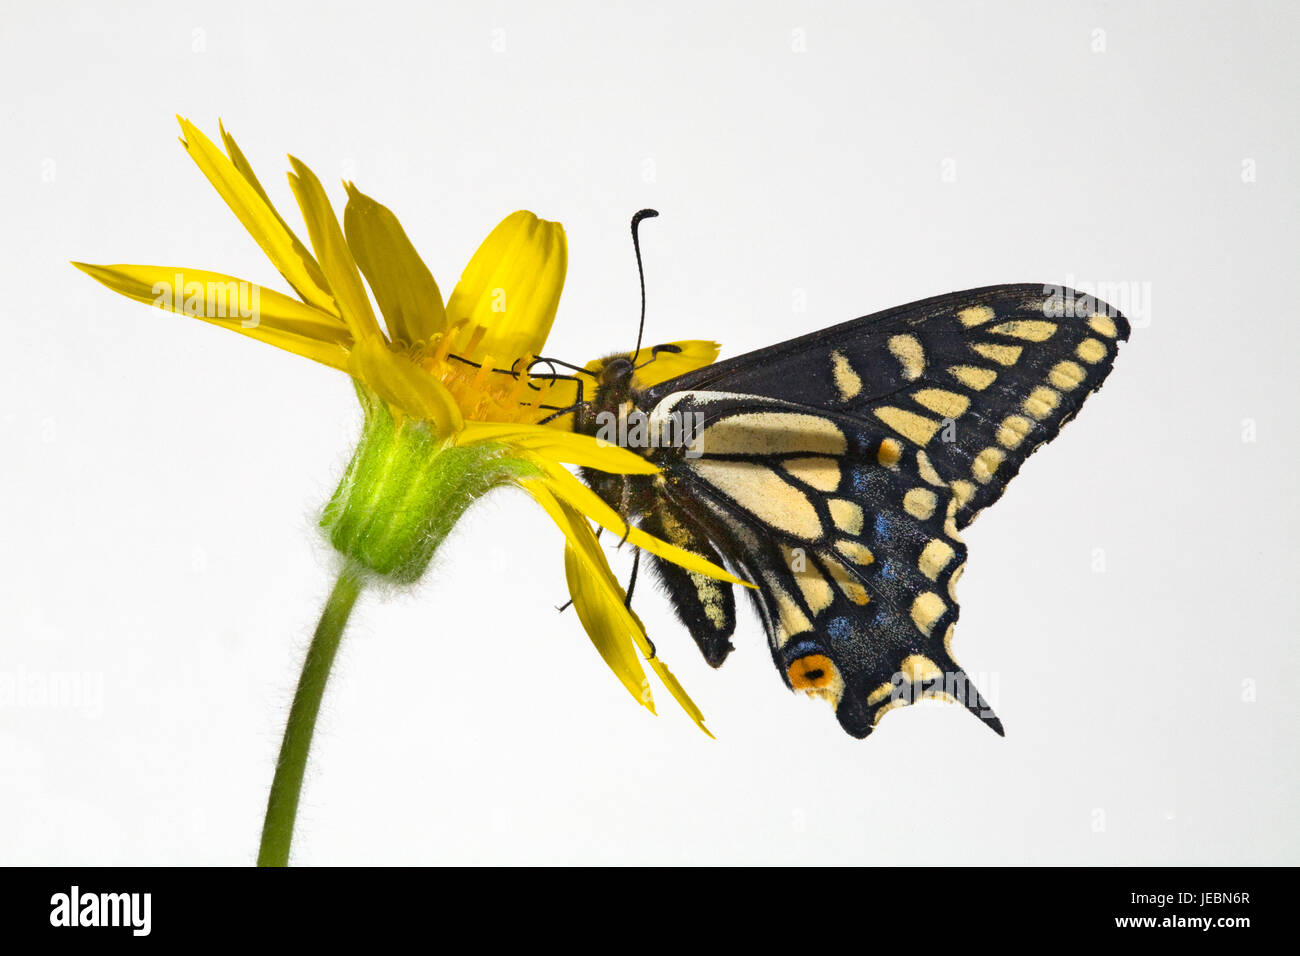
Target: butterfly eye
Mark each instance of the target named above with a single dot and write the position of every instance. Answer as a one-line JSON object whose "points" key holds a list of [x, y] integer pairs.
{"points": [[615, 369]]}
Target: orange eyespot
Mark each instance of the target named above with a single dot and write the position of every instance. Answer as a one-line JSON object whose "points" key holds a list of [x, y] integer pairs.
{"points": [[812, 672], [889, 452]]}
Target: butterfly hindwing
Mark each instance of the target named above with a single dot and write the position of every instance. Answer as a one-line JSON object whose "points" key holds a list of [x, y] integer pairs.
{"points": [[976, 379], [854, 551], [706, 606]]}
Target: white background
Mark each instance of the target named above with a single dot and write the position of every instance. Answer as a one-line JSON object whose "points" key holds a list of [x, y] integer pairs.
{"points": [[161, 478]]}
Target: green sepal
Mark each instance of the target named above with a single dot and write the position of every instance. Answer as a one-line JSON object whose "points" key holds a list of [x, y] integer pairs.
{"points": [[404, 490]]}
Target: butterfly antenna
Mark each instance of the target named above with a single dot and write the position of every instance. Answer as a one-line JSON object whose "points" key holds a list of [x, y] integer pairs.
{"points": [[636, 246]]}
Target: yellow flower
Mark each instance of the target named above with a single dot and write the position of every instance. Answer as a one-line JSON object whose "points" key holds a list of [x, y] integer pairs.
{"points": [[451, 407]]}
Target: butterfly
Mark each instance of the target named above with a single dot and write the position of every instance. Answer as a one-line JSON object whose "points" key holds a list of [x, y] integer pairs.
{"points": [[836, 472]]}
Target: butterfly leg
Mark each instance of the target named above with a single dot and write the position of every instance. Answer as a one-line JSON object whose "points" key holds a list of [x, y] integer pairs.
{"points": [[625, 512], [627, 601], [565, 606], [631, 582]]}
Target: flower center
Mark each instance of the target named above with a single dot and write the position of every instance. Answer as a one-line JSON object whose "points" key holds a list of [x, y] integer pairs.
{"points": [[493, 388]]}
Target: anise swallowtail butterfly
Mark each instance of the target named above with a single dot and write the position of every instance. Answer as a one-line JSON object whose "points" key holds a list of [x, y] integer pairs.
{"points": [[837, 470]]}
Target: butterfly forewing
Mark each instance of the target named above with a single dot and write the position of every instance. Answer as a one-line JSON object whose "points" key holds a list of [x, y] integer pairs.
{"points": [[976, 379]]}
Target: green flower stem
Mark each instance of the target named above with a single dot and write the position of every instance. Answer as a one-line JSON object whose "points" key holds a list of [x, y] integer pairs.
{"points": [[282, 806], [402, 493]]}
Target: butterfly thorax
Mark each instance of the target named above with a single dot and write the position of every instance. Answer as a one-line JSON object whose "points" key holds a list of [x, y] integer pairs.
{"points": [[616, 397]]}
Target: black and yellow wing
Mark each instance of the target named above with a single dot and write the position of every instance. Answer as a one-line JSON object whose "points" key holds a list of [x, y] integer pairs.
{"points": [[977, 379], [854, 550], [836, 471]]}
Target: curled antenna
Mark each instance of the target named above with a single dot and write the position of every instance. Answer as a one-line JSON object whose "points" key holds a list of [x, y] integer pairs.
{"points": [[636, 246]]}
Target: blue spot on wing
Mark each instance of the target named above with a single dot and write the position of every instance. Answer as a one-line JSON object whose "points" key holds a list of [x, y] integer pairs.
{"points": [[889, 570], [840, 629]]}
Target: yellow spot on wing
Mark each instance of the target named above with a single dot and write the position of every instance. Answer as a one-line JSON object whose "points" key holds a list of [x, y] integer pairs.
{"points": [[847, 515], [928, 473], [816, 590], [907, 349], [847, 581], [935, 557], [880, 693], [773, 433], [962, 491], [1013, 430], [920, 503], [975, 315], [1041, 402], [915, 428], [918, 668], [926, 609], [947, 404], [886, 708], [972, 376], [985, 463], [1103, 324], [957, 572], [765, 494], [856, 552], [1002, 354], [847, 381], [709, 593], [1091, 351], [821, 473], [791, 619], [1028, 329], [889, 452], [1066, 375]]}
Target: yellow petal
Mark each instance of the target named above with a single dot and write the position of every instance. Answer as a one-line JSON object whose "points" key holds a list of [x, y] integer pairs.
{"points": [[604, 619], [404, 385], [403, 285], [573, 492], [242, 164], [254, 210], [511, 288], [601, 604], [676, 689], [332, 250], [570, 448], [231, 303], [666, 364], [596, 594]]}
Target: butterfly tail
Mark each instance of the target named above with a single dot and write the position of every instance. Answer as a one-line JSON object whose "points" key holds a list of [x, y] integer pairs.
{"points": [[914, 677]]}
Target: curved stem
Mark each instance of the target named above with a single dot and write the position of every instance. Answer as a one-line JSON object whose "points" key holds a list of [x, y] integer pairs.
{"points": [[282, 805]]}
